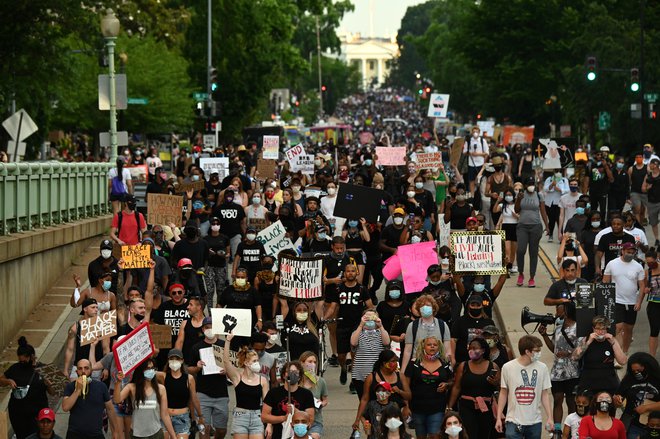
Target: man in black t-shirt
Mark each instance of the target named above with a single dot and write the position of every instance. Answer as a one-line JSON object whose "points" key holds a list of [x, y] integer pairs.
{"points": [[249, 254], [232, 220], [391, 235], [611, 243], [563, 290], [469, 326], [171, 312], [216, 270]]}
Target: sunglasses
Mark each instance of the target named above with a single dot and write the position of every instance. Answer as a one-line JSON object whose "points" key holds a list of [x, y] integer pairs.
{"points": [[174, 293]]}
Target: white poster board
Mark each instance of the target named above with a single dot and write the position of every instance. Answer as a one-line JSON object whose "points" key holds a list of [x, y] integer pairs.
{"points": [[133, 349], [438, 105], [294, 152], [271, 147], [274, 239], [301, 278], [232, 320], [478, 252], [303, 163], [215, 164]]}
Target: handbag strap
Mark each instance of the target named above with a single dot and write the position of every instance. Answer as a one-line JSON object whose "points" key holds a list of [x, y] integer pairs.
{"points": [[568, 340]]}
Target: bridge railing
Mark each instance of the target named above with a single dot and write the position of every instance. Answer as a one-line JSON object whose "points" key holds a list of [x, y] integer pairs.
{"points": [[42, 194]]}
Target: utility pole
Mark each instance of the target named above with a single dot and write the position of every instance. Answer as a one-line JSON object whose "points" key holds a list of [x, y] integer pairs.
{"points": [[318, 51], [209, 58], [642, 82]]}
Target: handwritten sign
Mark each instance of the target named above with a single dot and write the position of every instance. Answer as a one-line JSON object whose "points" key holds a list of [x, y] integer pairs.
{"points": [[218, 353], [487, 127], [266, 168], [161, 335], [415, 259], [97, 328], [237, 321], [215, 164], [136, 256], [301, 278], [438, 105], [164, 209], [192, 186], [53, 374], [294, 152], [478, 252], [303, 163], [392, 268], [391, 156], [271, 147], [274, 239], [138, 173], [257, 223], [133, 349], [429, 160]]}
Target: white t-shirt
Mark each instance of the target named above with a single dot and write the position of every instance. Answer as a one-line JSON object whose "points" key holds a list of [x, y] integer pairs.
{"points": [[476, 145], [604, 232], [525, 385], [508, 214], [573, 422], [567, 202], [625, 276], [125, 176], [153, 163], [640, 236]]}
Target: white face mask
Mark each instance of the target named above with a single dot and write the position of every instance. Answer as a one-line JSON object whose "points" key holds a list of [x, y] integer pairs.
{"points": [[398, 220], [530, 188], [536, 356], [215, 227], [105, 254], [208, 333], [256, 200], [255, 367], [393, 424], [419, 185], [453, 430], [174, 365], [475, 135], [332, 191], [274, 338], [415, 239], [410, 194], [250, 236]]}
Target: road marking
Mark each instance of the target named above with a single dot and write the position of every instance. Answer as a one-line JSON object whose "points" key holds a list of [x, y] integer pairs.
{"points": [[554, 274]]}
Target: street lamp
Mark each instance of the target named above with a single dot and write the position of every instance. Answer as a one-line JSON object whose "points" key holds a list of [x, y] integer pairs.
{"points": [[110, 31]]}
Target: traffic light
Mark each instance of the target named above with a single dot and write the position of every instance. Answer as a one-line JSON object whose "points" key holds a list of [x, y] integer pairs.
{"points": [[420, 91], [591, 68], [652, 113], [214, 93], [213, 79], [324, 88], [634, 79], [427, 90]]}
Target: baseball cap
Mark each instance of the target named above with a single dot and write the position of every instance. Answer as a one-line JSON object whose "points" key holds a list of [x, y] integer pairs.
{"points": [[385, 385], [471, 219], [604, 149], [251, 229], [106, 244], [475, 298], [241, 148], [490, 329], [207, 321], [184, 262], [399, 211], [46, 414], [175, 353], [86, 303], [627, 245]]}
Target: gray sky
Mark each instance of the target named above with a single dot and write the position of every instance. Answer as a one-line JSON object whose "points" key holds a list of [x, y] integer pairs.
{"points": [[387, 15]]}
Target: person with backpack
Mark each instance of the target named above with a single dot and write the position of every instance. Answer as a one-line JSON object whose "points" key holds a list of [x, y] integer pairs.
{"points": [[476, 149], [120, 185], [128, 225]]}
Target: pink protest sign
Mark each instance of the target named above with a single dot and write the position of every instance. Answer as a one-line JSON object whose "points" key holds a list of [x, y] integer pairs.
{"points": [[391, 155], [392, 268], [415, 259]]}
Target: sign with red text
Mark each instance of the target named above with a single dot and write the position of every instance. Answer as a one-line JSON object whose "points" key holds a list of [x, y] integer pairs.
{"points": [[271, 147], [301, 278], [294, 152], [429, 160], [415, 259], [133, 349], [391, 155], [478, 252]]}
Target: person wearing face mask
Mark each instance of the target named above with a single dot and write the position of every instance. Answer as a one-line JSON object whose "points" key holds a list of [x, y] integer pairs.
{"points": [[356, 236], [28, 390], [652, 430], [630, 281], [390, 237], [270, 202], [255, 212], [391, 424], [266, 282], [319, 389], [598, 353], [105, 263], [500, 353], [476, 148], [476, 379], [216, 268], [531, 208], [75, 351], [181, 394], [241, 294], [602, 424], [458, 210], [302, 333], [300, 425], [232, 220], [248, 255], [508, 220], [610, 240], [525, 389], [640, 390], [653, 299], [563, 290], [328, 202], [570, 249], [367, 341], [488, 295], [469, 326], [160, 184], [452, 427], [373, 411], [415, 232], [636, 230], [568, 205], [651, 186], [394, 311], [526, 165], [554, 188], [100, 292], [619, 192], [572, 422], [128, 225], [319, 242], [425, 325], [284, 400], [211, 388], [638, 198], [424, 199], [579, 221], [587, 237]]}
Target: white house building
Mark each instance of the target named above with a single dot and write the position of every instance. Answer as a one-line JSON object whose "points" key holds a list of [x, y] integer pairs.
{"points": [[373, 56]]}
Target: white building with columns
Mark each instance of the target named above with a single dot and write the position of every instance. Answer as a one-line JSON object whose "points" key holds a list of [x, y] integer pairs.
{"points": [[373, 56]]}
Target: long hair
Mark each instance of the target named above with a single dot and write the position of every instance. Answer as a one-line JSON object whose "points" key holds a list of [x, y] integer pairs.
{"points": [[594, 403], [245, 354], [140, 383], [385, 356], [651, 369], [392, 411], [441, 348], [120, 168], [308, 323], [462, 435]]}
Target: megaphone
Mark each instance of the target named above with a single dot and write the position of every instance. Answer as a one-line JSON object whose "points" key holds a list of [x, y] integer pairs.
{"points": [[526, 317]]}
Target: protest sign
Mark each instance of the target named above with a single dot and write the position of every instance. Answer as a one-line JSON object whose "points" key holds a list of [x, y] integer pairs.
{"points": [[138, 173], [164, 209], [429, 160], [280, 360], [391, 155], [303, 163], [438, 105], [215, 164], [294, 152], [257, 224], [274, 239], [584, 296], [392, 268], [192, 186], [161, 335], [456, 151], [102, 326], [266, 168], [605, 295], [487, 127], [301, 278], [133, 349], [355, 202], [512, 134], [218, 352], [53, 374], [136, 256], [271, 147], [478, 252], [414, 260], [237, 321]]}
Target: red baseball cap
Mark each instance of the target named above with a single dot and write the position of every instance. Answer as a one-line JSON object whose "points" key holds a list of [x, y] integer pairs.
{"points": [[183, 262], [471, 219], [385, 385], [46, 414]]}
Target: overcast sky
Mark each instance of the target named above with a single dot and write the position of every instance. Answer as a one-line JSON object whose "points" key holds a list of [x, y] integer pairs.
{"points": [[387, 15]]}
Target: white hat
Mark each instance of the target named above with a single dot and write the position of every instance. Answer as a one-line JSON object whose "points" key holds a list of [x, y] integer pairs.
{"points": [[604, 149]]}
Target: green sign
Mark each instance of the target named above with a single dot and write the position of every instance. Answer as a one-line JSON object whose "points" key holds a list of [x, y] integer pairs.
{"points": [[651, 97], [604, 120], [138, 101], [199, 97]]}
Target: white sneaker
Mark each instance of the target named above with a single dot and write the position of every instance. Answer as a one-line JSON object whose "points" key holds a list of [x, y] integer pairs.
{"points": [[514, 269], [549, 238]]}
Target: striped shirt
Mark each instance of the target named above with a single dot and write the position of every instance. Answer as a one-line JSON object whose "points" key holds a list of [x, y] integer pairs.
{"points": [[370, 345]]}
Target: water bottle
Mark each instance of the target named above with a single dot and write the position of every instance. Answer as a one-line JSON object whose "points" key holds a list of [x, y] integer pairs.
{"points": [[356, 434], [557, 433]]}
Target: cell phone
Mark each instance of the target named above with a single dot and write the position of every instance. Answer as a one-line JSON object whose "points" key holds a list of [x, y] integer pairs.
{"points": [[492, 373]]}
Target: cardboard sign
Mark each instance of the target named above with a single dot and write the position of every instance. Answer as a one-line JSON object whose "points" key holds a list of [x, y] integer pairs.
{"points": [[294, 152], [138, 173], [133, 349], [257, 223], [164, 209], [97, 328], [218, 354], [438, 105], [415, 259], [429, 160], [161, 335], [237, 321], [274, 239], [271, 147], [355, 202], [487, 127], [301, 278], [391, 155], [54, 375], [478, 252], [194, 186], [456, 151], [303, 163], [215, 164], [136, 256], [266, 168]]}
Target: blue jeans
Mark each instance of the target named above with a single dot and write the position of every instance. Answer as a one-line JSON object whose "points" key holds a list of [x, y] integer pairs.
{"points": [[514, 431], [427, 423]]}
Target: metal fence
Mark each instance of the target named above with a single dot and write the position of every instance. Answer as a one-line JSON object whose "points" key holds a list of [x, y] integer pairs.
{"points": [[42, 194]]}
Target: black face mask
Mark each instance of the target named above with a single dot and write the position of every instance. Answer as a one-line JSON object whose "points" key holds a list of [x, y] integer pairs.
{"points": [[475, 312], [639, 376], [139, 317], [131, 205], [190, 232], [603, 406]]}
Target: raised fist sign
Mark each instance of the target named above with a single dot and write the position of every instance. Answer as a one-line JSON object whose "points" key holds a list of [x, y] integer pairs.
{"points": [[230, 322]]}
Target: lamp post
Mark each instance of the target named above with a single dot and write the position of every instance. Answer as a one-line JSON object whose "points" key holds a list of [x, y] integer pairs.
{"points": [[110, 31]]}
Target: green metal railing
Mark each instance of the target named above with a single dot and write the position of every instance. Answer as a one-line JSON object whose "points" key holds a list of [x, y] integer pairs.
{"points": [[42, 194]]}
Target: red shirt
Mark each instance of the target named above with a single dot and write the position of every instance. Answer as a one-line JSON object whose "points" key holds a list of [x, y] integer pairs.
{"points": [[588, 429], [129, 227]]}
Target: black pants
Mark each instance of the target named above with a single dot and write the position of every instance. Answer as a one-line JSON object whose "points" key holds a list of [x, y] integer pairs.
{"points": [[359, 388], [553, 217], [616, 201], [599, 202], [373, 268]]}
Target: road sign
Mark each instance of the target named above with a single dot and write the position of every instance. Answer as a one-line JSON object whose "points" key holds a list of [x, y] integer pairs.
{"points": [[138, 101], [651, 97], [209, 140], [120, 92], [635, 111], [20, 125], [604, 120], [122, 139], [200, 97]]}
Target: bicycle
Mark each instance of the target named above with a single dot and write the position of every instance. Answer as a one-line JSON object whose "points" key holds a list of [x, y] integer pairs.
{"points": [[323, 356]]}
